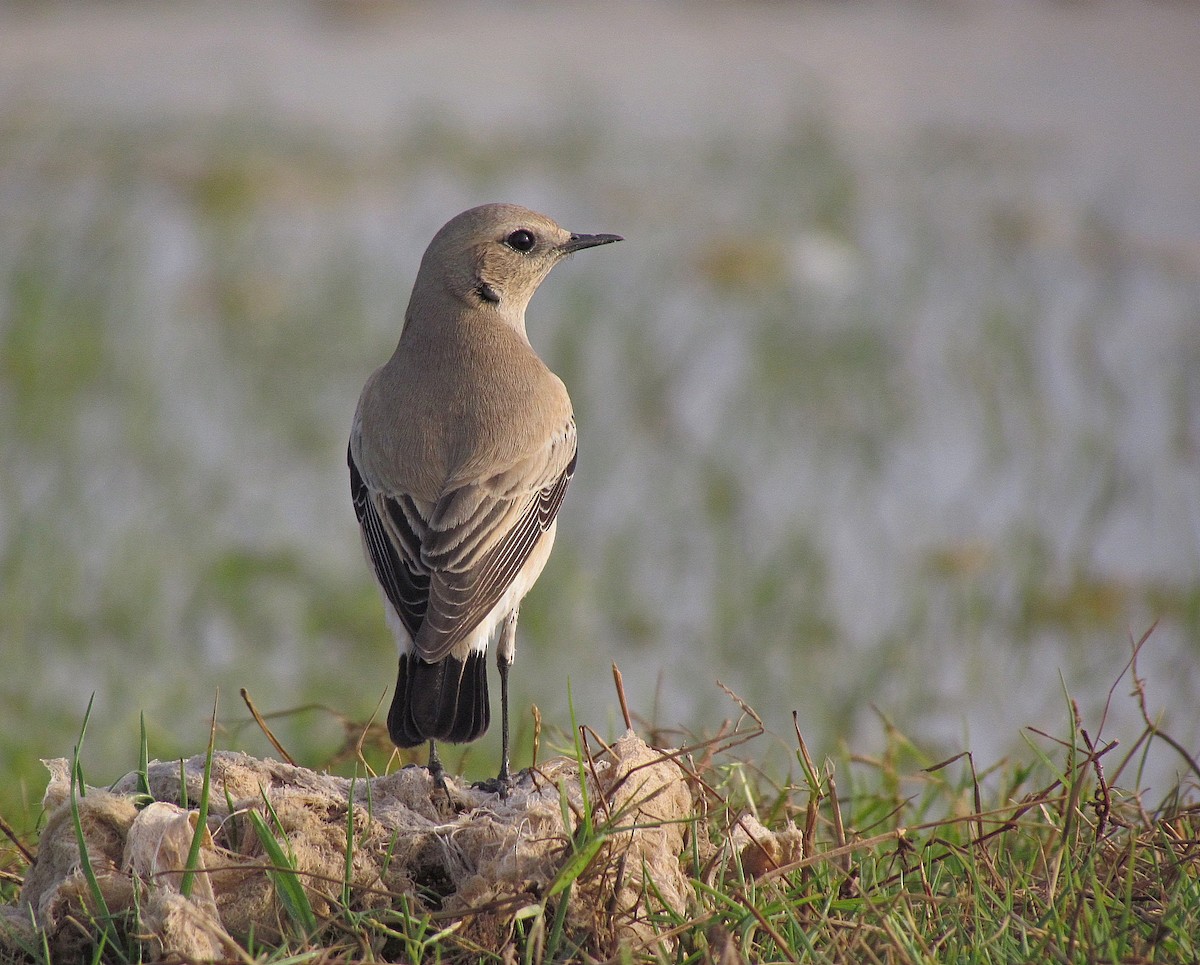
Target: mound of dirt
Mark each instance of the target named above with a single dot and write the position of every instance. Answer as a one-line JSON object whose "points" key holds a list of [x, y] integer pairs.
{"points": [[470, 859]]}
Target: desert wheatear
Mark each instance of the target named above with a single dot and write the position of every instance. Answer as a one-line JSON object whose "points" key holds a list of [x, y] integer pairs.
{"points": [[462, 447]]}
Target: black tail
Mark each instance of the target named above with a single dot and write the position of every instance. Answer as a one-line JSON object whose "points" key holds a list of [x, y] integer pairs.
{"points": [[443, 701]]}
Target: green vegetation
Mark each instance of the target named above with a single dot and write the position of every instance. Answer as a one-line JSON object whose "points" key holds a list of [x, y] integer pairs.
{"points": [[885, 858]]}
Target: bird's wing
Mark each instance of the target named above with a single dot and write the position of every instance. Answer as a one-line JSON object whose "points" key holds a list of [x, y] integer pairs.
{"points": [[392, 530], [445, 569], [480, 536]]}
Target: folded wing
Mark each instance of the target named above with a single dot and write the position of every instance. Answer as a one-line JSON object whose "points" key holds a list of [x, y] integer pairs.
{"points": [[445, 568]]}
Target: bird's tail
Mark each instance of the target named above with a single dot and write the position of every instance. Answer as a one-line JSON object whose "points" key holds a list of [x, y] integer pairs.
{"points": [[443, 701]]}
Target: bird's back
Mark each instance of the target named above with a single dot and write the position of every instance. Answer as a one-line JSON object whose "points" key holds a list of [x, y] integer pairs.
{"points": [[463, 403]]}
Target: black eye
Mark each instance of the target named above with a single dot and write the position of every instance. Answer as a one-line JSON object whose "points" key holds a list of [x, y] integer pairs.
{"points": [[521, 240]]}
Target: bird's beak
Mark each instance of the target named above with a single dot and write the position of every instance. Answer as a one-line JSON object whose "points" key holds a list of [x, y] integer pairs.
{"points": [[578, 242]]}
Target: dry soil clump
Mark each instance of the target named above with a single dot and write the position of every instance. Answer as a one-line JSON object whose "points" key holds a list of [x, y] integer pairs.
{"points": [[469, 858]]}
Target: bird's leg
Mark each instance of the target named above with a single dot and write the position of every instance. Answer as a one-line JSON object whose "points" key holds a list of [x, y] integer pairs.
{"points": [[438, 772], [506, 648], [504, 665], [505, 651]]}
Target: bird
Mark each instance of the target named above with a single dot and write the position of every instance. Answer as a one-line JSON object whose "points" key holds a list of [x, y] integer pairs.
{"points": [[462, 446]]}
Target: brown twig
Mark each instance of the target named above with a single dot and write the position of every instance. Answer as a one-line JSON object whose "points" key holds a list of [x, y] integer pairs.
{"points": [[12, 836], [976, 797], [781, 944], [812, 811], [362, 736], [839, 829], [680, 754], [746, 708], [619, 681], [1103, 799], [593, 772], [537, 735], [262, 725], [1139, 689]]}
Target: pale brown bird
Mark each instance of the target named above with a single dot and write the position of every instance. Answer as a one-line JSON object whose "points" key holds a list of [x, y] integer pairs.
{"points": [[462, 447]]}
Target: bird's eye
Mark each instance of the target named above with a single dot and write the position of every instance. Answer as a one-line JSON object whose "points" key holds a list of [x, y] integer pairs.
{"points": [[521, 240]]}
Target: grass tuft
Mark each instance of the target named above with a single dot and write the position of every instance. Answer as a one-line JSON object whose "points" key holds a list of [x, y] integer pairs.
{"points": [[881, 858], [283, 874]]}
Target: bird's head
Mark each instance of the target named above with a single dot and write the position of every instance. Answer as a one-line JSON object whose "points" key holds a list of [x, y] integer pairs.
{"points": [[495, 256]]}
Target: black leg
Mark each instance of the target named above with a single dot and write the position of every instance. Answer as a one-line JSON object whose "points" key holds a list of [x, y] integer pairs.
{"points": [[503, 777], [436, 771], [505, 649]]}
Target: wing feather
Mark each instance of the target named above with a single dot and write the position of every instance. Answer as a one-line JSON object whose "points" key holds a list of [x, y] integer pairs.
{"points": [[460, 599], [394, 551], [443, 573]]}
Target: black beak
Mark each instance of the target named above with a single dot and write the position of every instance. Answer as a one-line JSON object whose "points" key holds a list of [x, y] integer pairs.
{"points": [[578, 242]]}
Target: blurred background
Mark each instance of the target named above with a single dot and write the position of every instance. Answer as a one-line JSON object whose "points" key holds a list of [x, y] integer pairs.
{"points": [[889, 406]]}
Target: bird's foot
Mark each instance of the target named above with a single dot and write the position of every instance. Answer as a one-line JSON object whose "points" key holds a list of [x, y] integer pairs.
{"points": [[438, 773], [501, 785]]}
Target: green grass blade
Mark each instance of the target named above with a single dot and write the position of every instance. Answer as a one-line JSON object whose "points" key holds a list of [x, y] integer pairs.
{"points": [[585, 827], [85, 859], [143, 772], [556, 927], [193, 858], [575, 865], [349, 867], [287, 882]]}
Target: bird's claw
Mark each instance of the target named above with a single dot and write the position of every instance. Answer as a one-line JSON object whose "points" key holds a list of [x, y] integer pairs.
{"points": [[500, 785], [438, 773]]}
